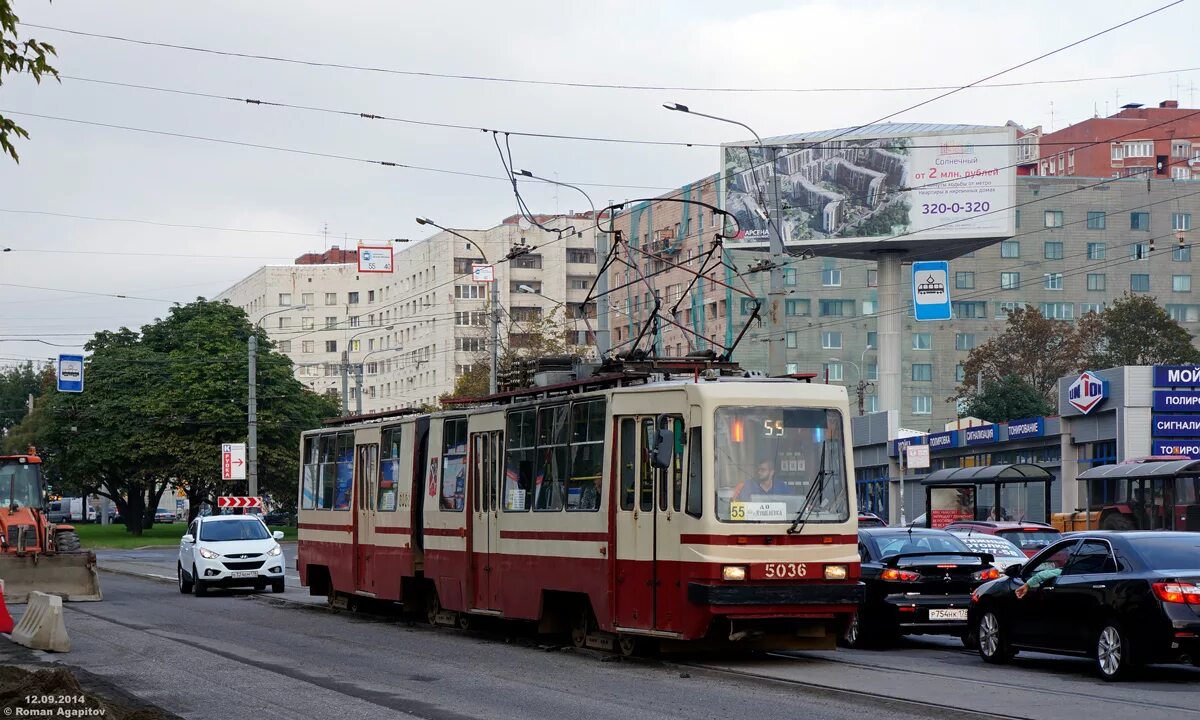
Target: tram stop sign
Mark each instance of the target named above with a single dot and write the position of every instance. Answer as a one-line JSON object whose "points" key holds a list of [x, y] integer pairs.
{"points": [[931, 293]]}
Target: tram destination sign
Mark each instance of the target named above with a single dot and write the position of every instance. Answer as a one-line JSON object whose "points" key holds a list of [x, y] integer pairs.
{"points": [[1171, 425], [1176, 400], [1177, 376]]}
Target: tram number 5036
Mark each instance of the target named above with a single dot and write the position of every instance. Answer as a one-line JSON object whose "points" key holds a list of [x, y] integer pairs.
{"points": [[785, 570]]}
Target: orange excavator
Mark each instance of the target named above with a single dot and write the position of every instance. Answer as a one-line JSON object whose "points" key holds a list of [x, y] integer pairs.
{"points": [[36, 554]]}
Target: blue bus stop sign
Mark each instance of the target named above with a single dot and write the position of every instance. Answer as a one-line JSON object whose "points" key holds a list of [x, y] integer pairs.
{"points": [[70, 373], [931, 290]]}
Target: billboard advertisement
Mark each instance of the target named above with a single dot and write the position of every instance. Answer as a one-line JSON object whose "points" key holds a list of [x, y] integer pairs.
{"points": [[896, 183]]}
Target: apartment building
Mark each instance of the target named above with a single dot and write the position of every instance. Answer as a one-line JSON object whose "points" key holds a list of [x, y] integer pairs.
{"points": [[1080, 243], [415, 330]]}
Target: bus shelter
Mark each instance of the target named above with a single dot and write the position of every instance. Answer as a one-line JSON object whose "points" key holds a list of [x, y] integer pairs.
{"points": [[1159, 495], [1019, 492]]}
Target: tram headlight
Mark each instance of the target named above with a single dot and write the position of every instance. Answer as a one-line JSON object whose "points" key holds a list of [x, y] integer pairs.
{"points": [[733, 572], [835, 572]]}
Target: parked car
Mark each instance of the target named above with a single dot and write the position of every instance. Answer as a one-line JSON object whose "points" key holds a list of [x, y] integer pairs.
{"points": [[1031, 537], [918, 581], [1123, 599], [1003, 552], [164, 516], [230, 551], [866, 519]]}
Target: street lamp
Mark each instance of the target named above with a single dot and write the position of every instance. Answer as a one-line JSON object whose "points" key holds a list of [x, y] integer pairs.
{"points": [[357, 372], [494, 301], [252, 400], [603, 340], [776, 351]]}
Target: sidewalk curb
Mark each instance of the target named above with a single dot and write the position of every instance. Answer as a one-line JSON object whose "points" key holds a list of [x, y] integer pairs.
{"points": [[262, 597]]}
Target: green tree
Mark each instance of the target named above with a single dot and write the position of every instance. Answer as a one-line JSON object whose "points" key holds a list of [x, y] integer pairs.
{"points": [[17, 384], [17, 56], [1036, 350], [1134, 330], [1009, 398]]}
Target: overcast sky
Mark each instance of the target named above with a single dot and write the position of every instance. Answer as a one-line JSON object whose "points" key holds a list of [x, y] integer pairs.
{"points": [[103, 172]]}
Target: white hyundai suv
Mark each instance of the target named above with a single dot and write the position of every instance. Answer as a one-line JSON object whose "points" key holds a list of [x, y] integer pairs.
{"points": [[230, 551]]}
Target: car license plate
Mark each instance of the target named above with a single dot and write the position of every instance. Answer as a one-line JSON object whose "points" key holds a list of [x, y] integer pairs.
{"points": [[252, 573], [947, 614]]}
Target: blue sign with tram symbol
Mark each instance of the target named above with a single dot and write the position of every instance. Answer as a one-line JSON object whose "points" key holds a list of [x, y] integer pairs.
{"points": [[931, 290], [70, 373]]}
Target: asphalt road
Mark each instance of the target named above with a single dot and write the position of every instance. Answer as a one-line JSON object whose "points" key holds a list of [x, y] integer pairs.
{"points": [[234, 656]]}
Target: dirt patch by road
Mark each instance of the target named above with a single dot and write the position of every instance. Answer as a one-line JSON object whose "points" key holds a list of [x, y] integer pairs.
{"points": [[56, 692]]}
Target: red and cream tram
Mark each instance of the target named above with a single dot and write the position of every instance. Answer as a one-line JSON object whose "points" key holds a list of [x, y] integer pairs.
{"points": [[718, 510]]}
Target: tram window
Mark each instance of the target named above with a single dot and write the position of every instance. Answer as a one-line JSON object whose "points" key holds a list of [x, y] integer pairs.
{"points": [[308, 481], [695, 474], [479, 462], [677, 464], [628, 452], [587, 455], [345, 471], [454, 464], [646, 486], [519, 460], [389, 471], [327, 454], [552, 458]]}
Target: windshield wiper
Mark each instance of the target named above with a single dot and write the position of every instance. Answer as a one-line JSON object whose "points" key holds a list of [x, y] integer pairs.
{"points": [[814, 491]]}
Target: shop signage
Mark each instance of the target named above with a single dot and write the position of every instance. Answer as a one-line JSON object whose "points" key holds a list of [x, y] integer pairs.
{"points": [[1175, 425], [1177, 376], [1176, 400], [942, 440], [1181, 448], [899, 444], [1087, 392], [981, 435], [1027, 428]]}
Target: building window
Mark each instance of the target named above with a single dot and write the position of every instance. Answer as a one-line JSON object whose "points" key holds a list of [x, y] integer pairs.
{"points": [[354, 345], [969, 310], [831, 340], [1139, 251], [1139, 221], [1010, 249], [872, 278], [922, 372], [1004, 308], [285, 299], [1182, 254], [1053, 281], [1058, 311], [790, 338], [354, 322], [284, 346], [1054, 218], [1181, 149], [922, 405], [370, 297], [307, 346], [872, 339], [331, 323], [922, 341], [1085, 308], [797, 308], [789, 276], [1181, 221], [529, 262], [964, 341], [964, 280], [872, 404], [1054, 251], [307, 323], [1181, 173], [331, 298], [1095, 220], [872, 371], [581, 255], [1010, 280], [285, 322], [1181, 283], [1139, 283], [1095, 251], [331, 346], [1095, 281], [837, 308], [306, 299], [1184, 313], [469, 292], [834, 370], [352, 298], [869, 307], [960, 373], [831, 277]]}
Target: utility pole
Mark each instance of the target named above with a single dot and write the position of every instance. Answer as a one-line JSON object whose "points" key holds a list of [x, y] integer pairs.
{"points": [[345, 368], [358, 382], [252, 417], [776, 347]]}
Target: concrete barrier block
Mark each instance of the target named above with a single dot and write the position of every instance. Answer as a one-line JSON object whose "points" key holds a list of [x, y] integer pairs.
{"points": [[42, 626]]}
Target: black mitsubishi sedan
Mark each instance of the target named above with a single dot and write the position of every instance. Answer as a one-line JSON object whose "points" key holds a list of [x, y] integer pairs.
{"points": [[918, 581], [1121, 598]]}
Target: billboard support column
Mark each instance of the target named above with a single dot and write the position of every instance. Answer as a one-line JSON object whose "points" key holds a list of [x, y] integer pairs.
{"points": [[890, 319], [776, 347]]}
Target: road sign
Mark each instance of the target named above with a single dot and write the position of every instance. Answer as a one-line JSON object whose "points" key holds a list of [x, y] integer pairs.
{"points": [[239, 501], [374, 259], [931, 290], [233, 461], [917, 456], [70, 373], [483, 273]]}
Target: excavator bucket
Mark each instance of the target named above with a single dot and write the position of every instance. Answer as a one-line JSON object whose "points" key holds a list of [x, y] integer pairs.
{"points": [[71, 576]]}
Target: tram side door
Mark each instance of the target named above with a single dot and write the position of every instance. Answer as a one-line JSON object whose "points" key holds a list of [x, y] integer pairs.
{"points": [[366, 481], [637, 515], [485, 470]]}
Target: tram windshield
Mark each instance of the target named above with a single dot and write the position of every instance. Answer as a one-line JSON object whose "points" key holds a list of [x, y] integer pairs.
{"points": [[771, 461]]}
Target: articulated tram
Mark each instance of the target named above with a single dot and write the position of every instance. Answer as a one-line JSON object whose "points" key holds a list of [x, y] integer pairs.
{"points": [[710, 510]]}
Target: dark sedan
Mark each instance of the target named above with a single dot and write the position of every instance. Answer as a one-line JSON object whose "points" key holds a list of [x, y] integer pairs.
{"points": [[1122, 599], [918, 581]]}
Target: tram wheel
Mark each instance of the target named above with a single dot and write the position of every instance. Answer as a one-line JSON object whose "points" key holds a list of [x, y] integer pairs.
{"points": [[464, 621], [581, 626], [433, 607], [630, 645]]}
